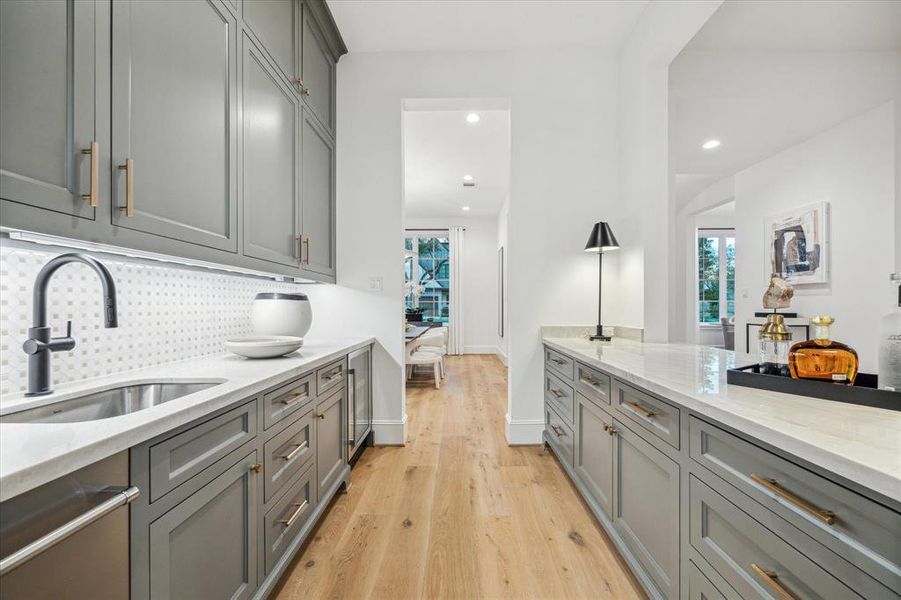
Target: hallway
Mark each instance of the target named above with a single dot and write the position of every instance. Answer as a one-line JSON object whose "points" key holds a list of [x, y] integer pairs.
{"points": [[457, 513]]}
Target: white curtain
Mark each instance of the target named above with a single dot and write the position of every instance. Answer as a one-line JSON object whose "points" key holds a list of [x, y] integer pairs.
{"points": [[455, 343]]}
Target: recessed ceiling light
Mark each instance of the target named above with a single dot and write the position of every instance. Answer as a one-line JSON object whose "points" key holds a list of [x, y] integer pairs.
{"points": [[467, 178], [472, 118], [710, 144], [465, 208]]}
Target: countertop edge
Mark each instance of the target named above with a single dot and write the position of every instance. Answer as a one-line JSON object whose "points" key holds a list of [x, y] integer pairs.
{"points": [[28, 477], [854, 471]]}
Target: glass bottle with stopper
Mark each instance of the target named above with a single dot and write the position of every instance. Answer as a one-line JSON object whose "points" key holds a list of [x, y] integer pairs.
{"points": [[774, 339], [823, 358]]}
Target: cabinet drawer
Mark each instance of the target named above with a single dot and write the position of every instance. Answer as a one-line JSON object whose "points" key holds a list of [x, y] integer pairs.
{"points": [[699, 587], [651, 413], [864, 532], [175, 460], [753, 559], [593, 383], [287, 453], [285, 520], [287, 400], [560, 435], [559, 395], [330, 377], [560, 363]]}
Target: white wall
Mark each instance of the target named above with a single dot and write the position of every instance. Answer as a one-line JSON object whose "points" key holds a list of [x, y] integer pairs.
{"points": [[851, 166], [645, 216], [479, 278], [563, 178]]}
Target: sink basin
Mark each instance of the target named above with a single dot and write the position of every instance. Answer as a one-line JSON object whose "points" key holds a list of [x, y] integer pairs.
{"points": [[108, 403]]}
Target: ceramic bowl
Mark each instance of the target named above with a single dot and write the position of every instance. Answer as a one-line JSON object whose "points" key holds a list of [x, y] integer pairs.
{"points": [[258, 346]]}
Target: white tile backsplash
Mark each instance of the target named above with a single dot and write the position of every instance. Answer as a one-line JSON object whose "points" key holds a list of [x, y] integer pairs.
{"points": [[166, 313]]}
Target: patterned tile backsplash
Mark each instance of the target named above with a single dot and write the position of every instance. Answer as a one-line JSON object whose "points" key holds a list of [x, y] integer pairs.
{"points": [[166, 313]]}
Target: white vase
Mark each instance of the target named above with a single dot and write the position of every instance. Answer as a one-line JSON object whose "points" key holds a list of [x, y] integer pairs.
{"points": [[281, 314]]}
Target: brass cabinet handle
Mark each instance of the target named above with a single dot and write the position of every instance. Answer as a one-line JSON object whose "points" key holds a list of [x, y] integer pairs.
{"points": [[293, 399], [305, 91], [298, 448], [129, 168], [308, 243], [298, 82], [321, 415], [94, 151], [611, 430], [299, 509], [771, 580], [300, 249], [825, 516], [256, 467], [557, 393], [558, 361], [332, 375], [639, 409], [559, 431]]}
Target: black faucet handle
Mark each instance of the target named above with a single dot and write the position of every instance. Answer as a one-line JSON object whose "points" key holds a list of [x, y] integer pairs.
{"points": [[69, 328], [63, 344]]}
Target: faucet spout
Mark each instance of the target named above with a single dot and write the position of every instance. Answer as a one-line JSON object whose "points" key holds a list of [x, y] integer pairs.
{"points": [[41, 283]]}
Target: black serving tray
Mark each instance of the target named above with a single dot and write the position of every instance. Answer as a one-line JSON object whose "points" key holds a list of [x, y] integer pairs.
{"points": [[864, 391]]}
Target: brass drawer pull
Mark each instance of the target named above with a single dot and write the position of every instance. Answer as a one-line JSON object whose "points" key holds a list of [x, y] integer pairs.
{"points": [[294, 399], [129, 168], [298, 448], [299, 509], [306, 241], [256, 467], [771, 580], [321, 415], [305, 91], [639, 409], [300, 249], [558, 361], [332, 375], [94, 151], [590, 380], [558, 430], [557, 393], [825, 516]]}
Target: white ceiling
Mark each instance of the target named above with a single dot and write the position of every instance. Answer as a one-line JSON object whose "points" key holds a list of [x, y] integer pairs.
{"points": [[466, 26], [440, 147], [764, 76]]}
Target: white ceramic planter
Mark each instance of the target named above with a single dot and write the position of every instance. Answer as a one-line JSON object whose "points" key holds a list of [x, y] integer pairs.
{"points": [[281, 314]]}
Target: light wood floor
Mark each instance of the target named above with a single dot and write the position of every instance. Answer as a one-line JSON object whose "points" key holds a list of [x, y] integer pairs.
{"points": [[457, 513]]}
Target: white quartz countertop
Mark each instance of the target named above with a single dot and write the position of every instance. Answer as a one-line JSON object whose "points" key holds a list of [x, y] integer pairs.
{"points": [[32, 454], [859, 443]]}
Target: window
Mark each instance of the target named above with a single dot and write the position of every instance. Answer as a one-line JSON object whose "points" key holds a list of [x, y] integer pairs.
{"points": [[427, 275], [716, 274]]}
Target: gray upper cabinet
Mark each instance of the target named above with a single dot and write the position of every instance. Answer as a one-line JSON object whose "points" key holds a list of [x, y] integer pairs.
{"points": [[174, 83], [271, 159], [593, 460], [277, 25], [47, 108], [206, 547], [646, 507], [319, 67], [318, 216]]}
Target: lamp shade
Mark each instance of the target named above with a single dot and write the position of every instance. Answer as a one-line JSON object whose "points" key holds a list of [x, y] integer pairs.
{"points": [[601, 238]]}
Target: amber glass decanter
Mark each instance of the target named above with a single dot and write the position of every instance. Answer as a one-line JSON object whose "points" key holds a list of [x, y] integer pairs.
{"points": [[821, 358]]}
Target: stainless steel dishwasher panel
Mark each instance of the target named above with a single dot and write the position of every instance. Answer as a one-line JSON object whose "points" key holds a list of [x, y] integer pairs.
{"points": [[43, 558]]}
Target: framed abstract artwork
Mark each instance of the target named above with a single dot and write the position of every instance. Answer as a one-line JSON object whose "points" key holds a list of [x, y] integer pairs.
{"points": [[797, 244]]}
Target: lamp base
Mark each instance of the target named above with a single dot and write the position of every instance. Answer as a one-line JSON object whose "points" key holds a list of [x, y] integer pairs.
{"points": [[599, 335]]}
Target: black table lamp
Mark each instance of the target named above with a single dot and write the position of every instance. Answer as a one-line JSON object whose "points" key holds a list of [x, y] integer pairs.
{"points": [[601, 240]]}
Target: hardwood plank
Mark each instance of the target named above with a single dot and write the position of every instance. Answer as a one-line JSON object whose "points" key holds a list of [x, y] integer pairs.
{"points": [[457, 513]]}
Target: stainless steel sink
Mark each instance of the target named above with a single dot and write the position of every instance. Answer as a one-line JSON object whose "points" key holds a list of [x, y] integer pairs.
{"points": [[108, 403]]}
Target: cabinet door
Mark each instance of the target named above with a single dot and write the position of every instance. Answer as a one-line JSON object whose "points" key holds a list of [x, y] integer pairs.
{"points": [[47, 111], [206, 547], [593, 460], [360, 372], [318, 72], [318, 201], [174, 117], [271, 156], [646, 506], [329, 442], [277, 24]]}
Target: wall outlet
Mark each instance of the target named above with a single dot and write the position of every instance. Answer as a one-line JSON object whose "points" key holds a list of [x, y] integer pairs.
{"points": [[375, 284]]}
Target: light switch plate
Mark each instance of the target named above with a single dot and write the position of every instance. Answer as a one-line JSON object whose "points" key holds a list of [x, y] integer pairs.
{"points": [[375, 284]]}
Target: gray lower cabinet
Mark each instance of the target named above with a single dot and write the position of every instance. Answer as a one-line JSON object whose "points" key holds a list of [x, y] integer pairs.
{"points": [[288, 515], [47, 106], [593, 458], [206, 547], [271, 158], [318, 207], [646, 506], [174, 121], [699, 587], [329, 442]]}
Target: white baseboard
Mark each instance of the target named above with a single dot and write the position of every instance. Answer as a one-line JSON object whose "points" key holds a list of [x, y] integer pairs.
{"points": [[479, 349], [524, 432], [390, 433], [501, 355]]}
